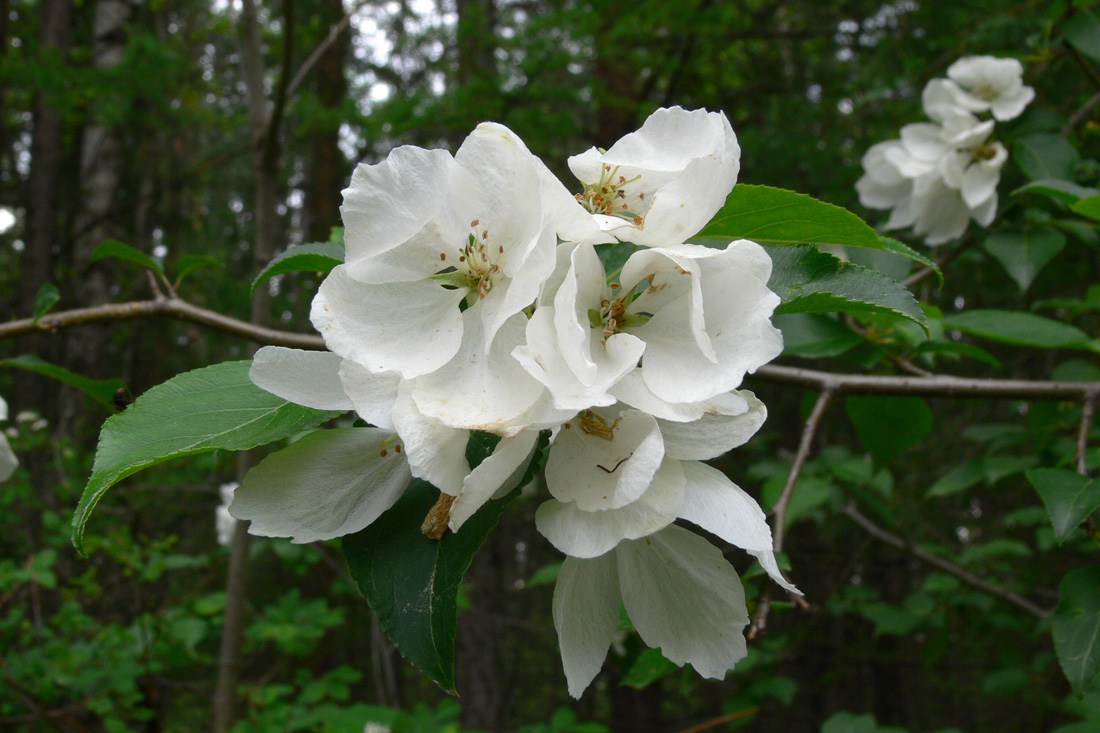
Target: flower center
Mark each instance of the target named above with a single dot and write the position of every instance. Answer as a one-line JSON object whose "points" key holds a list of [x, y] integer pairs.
{"points": [[609, 195], [477, 265], [596, 426], [984, 152], [611, 317]]}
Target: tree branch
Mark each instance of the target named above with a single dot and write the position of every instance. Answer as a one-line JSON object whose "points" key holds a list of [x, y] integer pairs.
{"points": [[946, 565], [1088, 408]]}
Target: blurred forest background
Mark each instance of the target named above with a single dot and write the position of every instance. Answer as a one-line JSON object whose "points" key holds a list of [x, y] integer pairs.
{"points": [[211, 135]]}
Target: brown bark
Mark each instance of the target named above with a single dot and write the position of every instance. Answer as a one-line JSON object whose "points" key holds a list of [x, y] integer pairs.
{"points": [[327, 172]]}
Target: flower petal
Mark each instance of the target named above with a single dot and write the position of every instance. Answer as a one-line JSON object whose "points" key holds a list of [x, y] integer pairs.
{"points": [[372, 394], [8, 460], [436, 453], [683, 597], [308, 378], [586, 616], [733, 418], [503, 468], [328, 484]]}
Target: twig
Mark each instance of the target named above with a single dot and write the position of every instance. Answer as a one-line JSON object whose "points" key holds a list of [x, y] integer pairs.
{"points": [[715, 722], [947, 566], [779, 511], [333, 33], [1088, 408], [1082, 114]]}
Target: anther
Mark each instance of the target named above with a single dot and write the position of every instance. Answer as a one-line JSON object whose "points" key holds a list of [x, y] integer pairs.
{"points": [[475, 222], [397, 448], [442, 256], [384, 452], [462, 258]]}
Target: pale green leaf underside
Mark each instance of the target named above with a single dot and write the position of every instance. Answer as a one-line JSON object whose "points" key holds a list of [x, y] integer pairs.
{"points": [[201, 410]]}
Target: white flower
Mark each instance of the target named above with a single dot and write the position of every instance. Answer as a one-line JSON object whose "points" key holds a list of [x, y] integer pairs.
{"points": [[680, 593], [698, 317], [8, 461], [980, 84], [425, 232], [663, 183]]}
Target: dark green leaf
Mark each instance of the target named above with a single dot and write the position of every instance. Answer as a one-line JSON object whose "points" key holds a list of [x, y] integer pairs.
{"points": [[1089, 207], [813, 335], [889, 426], [412, 582], [100, 390], [1056, 189], [958, 349], [1082, 31], [775, 216], [186, 264], [1024, 253], [1068, 496], [1076, 627], [198, 411], [810, 281], [120, 251], [614, 256], [44, 300], [958, 479], [315, 257], [903, 249], [649, 667], [1044, 156], [1019, 329]]}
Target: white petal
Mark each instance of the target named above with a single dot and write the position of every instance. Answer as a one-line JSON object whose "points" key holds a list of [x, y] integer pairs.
{"points": [[924, 141], [632, 390], [412, 328], [436, 453], [479, 391], [328, 484], [720, 506], [1010, 106], [586, 616], [683, 597], [372, 394], [503, 468], [735, 417], [600, 470], [308, 378], [587, 534], [3, 409], [8, 461]]}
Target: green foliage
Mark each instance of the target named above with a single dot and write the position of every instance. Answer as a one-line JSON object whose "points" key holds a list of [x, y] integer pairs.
{"points": [[1024, 253], [1076, 626], [101, 390], [114, 249], [202, 410], [1020, 329], [316, 257], [889, 426], [1068, 496], [44, 300]]}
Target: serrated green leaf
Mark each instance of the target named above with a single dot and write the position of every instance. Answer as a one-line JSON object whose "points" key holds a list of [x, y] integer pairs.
{"points": [[44, 300], [1043, 156], [903, 249], [649, 667], [776, 216], [412, 582], [1089, 207], [100, 390], [1082, 31], [1019, 329], [887, 425], [198, 411], [315, 257], [1076, 627], [121, 251], [810, 281], [1025, 253], [1068, 496], [1058, 190]]}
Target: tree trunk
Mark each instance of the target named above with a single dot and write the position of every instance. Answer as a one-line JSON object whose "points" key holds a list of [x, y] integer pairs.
{"points": [[327, 169]]}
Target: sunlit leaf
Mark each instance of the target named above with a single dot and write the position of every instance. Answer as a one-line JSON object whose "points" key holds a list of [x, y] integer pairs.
{"points": [[315, 257]]}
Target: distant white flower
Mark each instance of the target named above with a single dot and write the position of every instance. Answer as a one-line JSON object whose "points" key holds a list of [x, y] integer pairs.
{"points": [[662, 183], [224, 523], [8, 461], [680, 593], [981, 84]]}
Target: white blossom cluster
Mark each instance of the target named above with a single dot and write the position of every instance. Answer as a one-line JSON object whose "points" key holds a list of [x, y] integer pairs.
{"points": [[941, 174], [473, 298]]}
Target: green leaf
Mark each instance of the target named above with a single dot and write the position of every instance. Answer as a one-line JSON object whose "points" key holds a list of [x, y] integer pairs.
{"points": [[903, 249], [956, 348], [100, 390], [198, 411], [958, 479], [186, 264], [1024, 253], [120, 251], [889, 426], [44, 300], [1019, 329], [1089, 207], [1043, 156], [1076, 627], [412, 582], [775, 216], [810, 281], [649, 667], [1059, 190], [1082, 31], [813, 335], [315, 257], [1068, 496]]}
